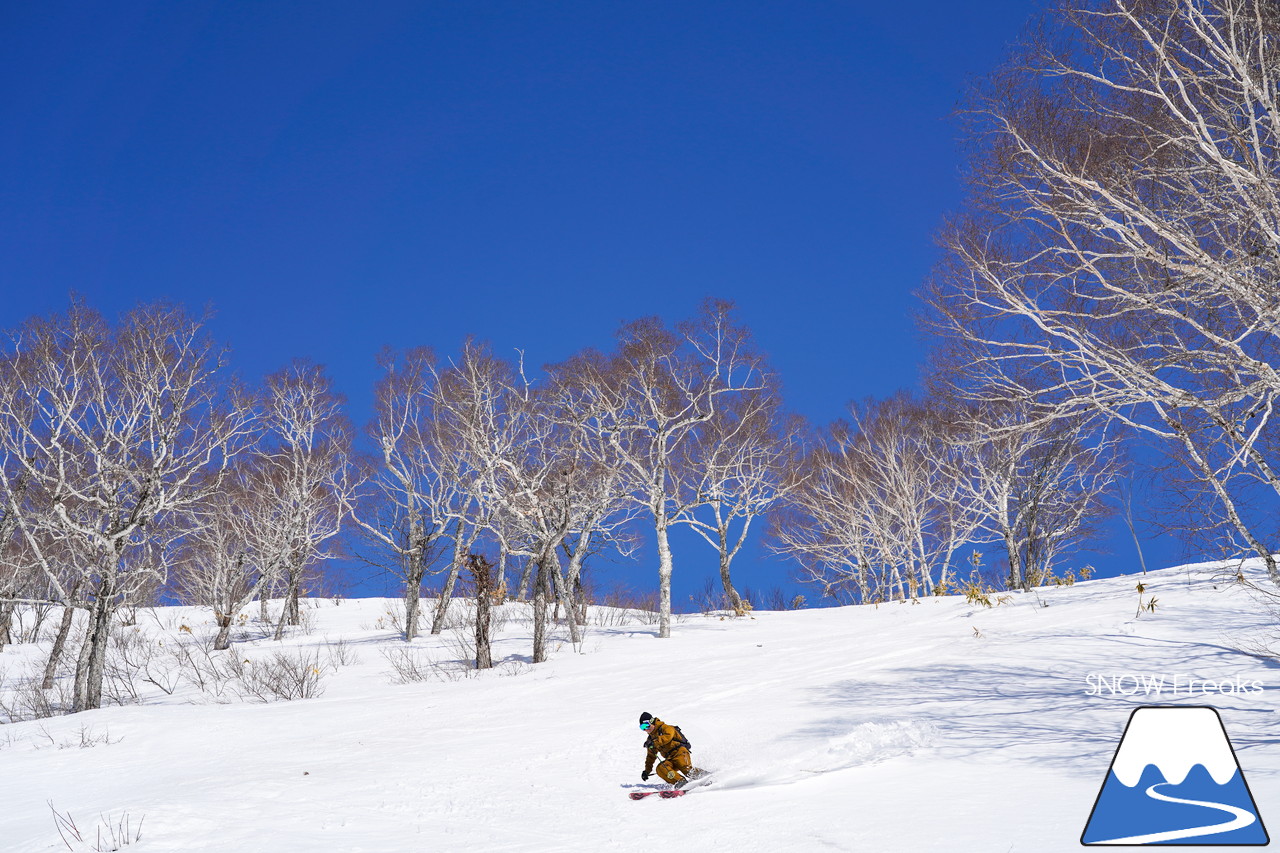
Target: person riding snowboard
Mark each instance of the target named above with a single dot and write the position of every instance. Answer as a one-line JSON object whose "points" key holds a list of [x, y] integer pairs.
{"points": [[669, 742]]}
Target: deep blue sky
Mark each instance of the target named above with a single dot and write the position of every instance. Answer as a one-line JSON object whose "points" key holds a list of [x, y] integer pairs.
{"points": [[336, 177]]}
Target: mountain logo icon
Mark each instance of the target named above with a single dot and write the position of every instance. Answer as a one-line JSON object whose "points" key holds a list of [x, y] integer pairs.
{"points": [[1175, 780]]}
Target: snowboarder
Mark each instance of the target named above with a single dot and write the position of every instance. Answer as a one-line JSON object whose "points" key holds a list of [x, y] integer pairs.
{"points": [[669, 742]]}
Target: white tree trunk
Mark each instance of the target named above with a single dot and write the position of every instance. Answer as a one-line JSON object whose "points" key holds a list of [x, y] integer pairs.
{"points": [[664, 580]]}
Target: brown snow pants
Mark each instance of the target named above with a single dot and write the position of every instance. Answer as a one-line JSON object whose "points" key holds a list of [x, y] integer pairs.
{"points": [[678, 766]]}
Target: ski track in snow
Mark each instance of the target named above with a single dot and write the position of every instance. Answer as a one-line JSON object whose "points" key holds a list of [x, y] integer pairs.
{"points": [[865, 744], [861, 728]]}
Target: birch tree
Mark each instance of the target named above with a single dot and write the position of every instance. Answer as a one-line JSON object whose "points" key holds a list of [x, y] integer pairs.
{"points": [[17, 571], [482, 575], [825, 527], [232, 553], [1039, 488], [309, 474], [735, 472], [879, 511], [469, 399], [524, 465], [648, 398], [600, 514], [410, 493], [1120, 251], [507, 448], [122, 429], [598, 485]]}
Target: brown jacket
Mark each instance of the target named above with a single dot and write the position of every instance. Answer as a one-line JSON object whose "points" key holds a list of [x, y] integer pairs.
{"points": [[665, 740]]}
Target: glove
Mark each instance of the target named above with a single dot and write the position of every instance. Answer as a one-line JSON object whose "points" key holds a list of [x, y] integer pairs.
{"points": [[644, 777]]}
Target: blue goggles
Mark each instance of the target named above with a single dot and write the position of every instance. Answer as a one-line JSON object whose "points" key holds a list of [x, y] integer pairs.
{"points": [[644, 727]]}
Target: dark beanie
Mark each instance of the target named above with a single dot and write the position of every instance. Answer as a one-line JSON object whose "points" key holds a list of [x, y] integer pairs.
{"points": [[646, 717]]}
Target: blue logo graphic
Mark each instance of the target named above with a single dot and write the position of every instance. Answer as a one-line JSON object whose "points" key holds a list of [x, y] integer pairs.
{"points": [[1175, 780]]}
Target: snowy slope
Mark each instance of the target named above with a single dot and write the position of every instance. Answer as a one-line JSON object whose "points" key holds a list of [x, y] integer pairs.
{"points": [[939, 725]]}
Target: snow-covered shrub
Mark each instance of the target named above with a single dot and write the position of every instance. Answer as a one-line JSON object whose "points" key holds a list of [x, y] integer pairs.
{"points": [[214, 674], [307, 616], [28, 621], [112, 834], [281, 676], [500, 617], [411, 666], [457, 616], [460, 615], [609, 617], [513, 666], [407, 666], [624, 607], [133, 661], [22, 698], [461, 642], [340, 653]]}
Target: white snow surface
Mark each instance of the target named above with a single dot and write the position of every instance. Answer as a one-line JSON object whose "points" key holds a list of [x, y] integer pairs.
{"points": [[1174, 742], [938, 725]]}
